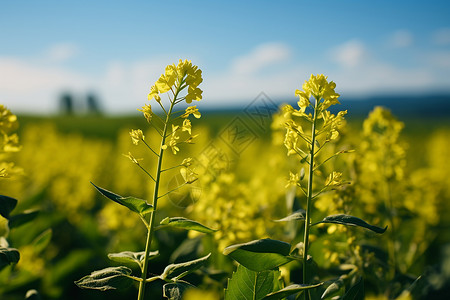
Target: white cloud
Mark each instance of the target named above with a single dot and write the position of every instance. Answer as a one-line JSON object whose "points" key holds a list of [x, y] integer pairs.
{"points": [[262, 56], [250, 74], [350, 54], [440, 59], [34, 87], [123, 86], [441, 36], [381, 78], [62, 52], [401, 39], [30, 86], [359, 73]]}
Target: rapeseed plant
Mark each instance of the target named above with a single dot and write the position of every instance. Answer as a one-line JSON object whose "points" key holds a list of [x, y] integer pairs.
{"points": [[309, 129], [180, 82]]}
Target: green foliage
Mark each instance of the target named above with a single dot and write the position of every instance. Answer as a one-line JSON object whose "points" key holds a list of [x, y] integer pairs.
{"points": [[290, 290], [333, 288], [134, 204], [298, 215], [404, 187], [356, 292], [260, 255], [175, 290], [180, 222], [23, 218], [128, 257], [41, 242], [252, 285], [107, 279], [7, 204], [8, 256], [351, 221], [177, 271]]}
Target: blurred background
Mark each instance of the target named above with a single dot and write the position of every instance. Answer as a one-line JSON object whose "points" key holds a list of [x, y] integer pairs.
{"points": [[111, 52], [75, 74]]}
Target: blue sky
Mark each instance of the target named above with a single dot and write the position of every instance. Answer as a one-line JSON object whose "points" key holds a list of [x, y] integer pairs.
{"points": [[117, 49]]}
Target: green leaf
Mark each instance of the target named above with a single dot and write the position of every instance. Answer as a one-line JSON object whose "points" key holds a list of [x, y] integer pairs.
{"points": [[187, 224], [177, 271], [128, 257], [41, 241], [136, 205], [290, 290], [333, 288], [260, 255], [23, 218], [175, 290], [8, 256], [352, 221], [356, 292], [107, 279], [298, 215], [247, 284], [7, 204]]}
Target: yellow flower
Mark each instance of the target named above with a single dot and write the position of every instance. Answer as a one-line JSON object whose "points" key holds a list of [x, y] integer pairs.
{"points": [[184, 67], [187, 162], [291, 141], [136, 136], [194, 93], [154, 93], [287, 110], [192, 110], [294, 179], [8, 121], [174, 139], [179, 76], [304, 102], [147, 110], [334, 179], [318, 87], [187, 126], [167, 80]]}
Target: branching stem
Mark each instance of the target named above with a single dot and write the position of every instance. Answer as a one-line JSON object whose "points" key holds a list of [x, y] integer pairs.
{"points": [[155, 198], [309, 199]]}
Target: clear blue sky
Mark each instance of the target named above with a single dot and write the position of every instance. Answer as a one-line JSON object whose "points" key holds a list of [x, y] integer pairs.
{"points": [[117, 49]]}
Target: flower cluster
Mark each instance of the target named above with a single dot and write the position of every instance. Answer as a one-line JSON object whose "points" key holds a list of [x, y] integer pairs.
{"points": [[326, 124], [318, 87], [178, 77], [9, 142], [175, 79]]}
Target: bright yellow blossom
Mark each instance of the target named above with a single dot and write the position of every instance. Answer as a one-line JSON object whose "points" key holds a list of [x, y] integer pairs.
{"points": [[318, 87], [154, 93], [192, 110], [136, 136], [147, 110], [179, 76], [187, 126]]}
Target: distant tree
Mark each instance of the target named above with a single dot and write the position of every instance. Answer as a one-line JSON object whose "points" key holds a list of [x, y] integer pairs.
{"points": [[93, 104], [66, 103]]}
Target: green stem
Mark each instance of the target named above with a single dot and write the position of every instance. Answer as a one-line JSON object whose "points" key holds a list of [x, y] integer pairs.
{"points": [[309, 199], [155, 202], [393, 238]]}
